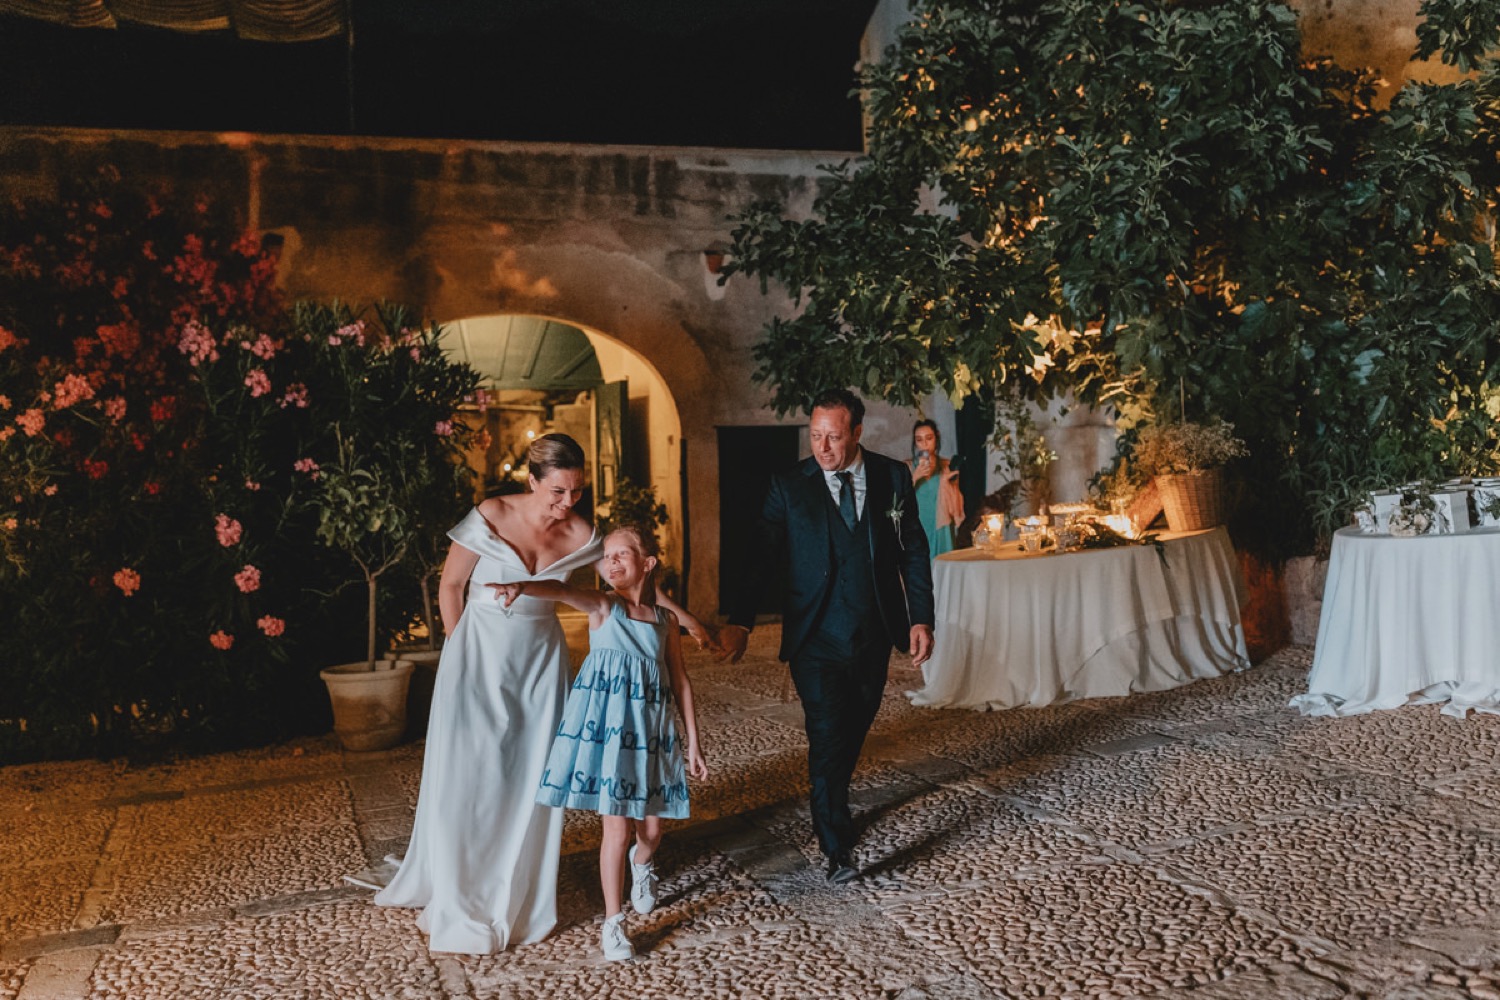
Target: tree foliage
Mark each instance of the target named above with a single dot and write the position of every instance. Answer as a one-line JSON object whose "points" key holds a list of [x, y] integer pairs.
{"points": [[1166, 207]]}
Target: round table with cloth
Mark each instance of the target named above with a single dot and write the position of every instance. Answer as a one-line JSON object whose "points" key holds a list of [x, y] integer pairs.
{"points": [[1015, 629], [1407, 621]]}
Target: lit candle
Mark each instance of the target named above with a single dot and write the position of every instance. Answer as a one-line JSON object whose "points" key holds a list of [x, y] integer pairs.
{"points": [[1122, 524]]}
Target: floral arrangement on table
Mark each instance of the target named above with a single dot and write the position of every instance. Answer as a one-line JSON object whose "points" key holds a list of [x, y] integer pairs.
{"points": [[1187, 447], [1416, 513], [164, 420]]}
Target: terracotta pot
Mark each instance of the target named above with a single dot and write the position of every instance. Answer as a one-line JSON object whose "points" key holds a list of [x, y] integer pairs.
{"points": [[369, 706]]}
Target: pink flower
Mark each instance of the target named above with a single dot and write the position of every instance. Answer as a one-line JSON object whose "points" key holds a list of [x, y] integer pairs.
{"points": [[354, 331], [247, 579], [259, 382], [197, 343], [296, 395], [308, 466], [333, 340], [9, 524], [128, 580], [51, 490], [221, 639], [262, 347], [95, 468], [6, 433], [115, 408], [227, 529], [152, 487], [163, 408], [72, 389], [7, 339], [31, 422], [252, 486], [443, 428], [4, 402], [271, 626]]}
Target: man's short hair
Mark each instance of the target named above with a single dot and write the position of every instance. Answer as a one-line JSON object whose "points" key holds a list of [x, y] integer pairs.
{"points": [[832, 399]]}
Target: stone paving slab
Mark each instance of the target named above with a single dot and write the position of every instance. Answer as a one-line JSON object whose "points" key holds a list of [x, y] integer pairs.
{"points": [[42, 898], [1205, 842]]}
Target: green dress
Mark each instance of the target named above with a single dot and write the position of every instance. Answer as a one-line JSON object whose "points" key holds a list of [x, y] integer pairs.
{"points": [[939, 540]]}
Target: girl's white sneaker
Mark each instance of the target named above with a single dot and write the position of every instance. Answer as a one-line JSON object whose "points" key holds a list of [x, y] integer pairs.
{"points": [[642, 885], [616, 946]]}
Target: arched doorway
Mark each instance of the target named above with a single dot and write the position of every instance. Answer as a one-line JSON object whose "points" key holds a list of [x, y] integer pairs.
{"points": [[543, 375]]}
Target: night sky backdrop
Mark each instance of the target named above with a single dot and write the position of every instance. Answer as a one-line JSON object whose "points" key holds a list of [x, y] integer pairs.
{"points": [[757, 74]]}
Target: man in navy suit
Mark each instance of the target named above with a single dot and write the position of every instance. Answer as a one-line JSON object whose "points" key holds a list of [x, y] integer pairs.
{"points": [[858, 584]]}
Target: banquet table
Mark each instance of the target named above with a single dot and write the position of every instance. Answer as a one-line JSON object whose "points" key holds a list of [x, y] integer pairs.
{"points": [[1407, 621], [1016, 629]]}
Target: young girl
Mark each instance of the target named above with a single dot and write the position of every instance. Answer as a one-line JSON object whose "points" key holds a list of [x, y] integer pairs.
{"points": [[617, 750]]}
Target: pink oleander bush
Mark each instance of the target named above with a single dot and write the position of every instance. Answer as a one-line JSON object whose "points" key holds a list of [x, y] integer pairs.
{"points": [[163, 418]]}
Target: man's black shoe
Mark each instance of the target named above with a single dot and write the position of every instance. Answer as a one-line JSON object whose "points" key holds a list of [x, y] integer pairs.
{"points": [[841, 869]]}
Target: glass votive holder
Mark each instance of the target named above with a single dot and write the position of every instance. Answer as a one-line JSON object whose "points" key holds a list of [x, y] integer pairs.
{"points": [[1031, 540]]}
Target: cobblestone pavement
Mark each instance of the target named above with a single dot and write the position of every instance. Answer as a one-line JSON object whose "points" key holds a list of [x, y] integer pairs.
{"points": [[1199, 843]]}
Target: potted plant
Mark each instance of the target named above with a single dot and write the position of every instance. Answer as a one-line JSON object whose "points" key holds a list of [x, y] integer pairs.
{"points": [[361, 513], [436, 510], [1187, 462]]}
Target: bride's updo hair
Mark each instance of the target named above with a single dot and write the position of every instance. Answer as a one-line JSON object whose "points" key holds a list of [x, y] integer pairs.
{"points": [[551, 452]]}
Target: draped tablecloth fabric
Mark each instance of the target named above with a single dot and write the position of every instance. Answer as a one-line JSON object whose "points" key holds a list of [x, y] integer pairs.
{"points": [[1019, 630], [1407, 621]]}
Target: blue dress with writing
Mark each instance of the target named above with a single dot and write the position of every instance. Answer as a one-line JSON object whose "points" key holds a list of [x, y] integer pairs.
{"points": [[616, 751]]}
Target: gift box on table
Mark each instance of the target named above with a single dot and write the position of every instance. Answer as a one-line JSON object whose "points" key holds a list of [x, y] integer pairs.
{"points": [[1449, 513], [1487, 495]]}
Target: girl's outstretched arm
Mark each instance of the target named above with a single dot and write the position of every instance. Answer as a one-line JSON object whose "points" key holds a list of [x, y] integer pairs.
{"points": [[682, 690], [705, 636], [590, 602]]}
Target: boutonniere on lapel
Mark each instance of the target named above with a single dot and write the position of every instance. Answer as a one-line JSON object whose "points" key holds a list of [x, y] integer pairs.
{"points": [[895, 514]]}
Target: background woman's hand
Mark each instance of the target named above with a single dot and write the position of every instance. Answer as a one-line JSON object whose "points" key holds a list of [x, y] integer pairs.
{"points": [[924, 468]]}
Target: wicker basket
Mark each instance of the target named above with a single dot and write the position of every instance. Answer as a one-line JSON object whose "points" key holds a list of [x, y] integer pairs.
{"points": [[1193, 500]]}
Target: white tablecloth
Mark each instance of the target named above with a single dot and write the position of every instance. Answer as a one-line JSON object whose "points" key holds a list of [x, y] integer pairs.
{"points": [[1408, 620], [1031, 630]]}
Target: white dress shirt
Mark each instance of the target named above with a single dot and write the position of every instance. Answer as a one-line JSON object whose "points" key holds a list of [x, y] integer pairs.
{"points": [[857, 468]]}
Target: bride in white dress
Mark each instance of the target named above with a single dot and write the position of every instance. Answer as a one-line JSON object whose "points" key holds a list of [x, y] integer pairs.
{"points": [[483, 856]]}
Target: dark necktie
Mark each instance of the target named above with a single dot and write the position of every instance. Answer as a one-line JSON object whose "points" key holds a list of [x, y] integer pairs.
{"points": [[846, 499]]}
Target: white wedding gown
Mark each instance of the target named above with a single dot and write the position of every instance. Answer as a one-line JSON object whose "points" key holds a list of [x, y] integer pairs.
{"points": [[483, 856]]}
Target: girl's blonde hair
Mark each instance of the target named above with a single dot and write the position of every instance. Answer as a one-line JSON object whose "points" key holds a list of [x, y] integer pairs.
{"points": [[645, 539]]}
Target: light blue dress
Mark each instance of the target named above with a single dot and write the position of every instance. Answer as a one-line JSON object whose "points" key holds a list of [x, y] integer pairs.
{"points": [[616, 751]]}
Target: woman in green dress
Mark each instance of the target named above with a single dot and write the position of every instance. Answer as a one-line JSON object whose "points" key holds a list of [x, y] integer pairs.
{"points": [[939, 502]]}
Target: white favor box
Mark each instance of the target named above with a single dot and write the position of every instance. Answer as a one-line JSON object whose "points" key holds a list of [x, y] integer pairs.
{"points": [[1454, 503], [1382, 502], [1485, 491]]}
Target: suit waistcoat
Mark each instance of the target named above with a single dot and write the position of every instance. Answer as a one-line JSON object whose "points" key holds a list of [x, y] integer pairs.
{"points": [[852, 606]]}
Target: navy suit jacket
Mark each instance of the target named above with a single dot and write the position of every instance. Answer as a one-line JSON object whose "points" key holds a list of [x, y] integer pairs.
{"points": [[794, 523]]}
